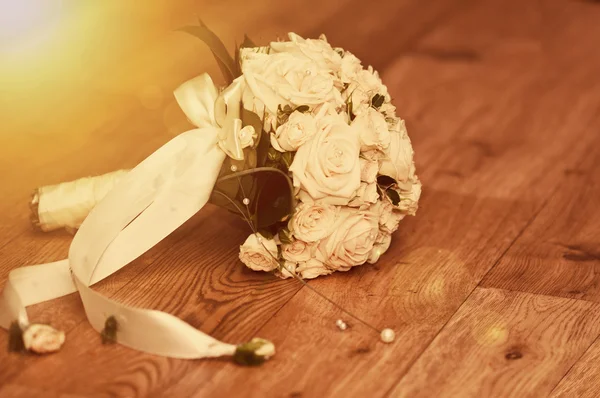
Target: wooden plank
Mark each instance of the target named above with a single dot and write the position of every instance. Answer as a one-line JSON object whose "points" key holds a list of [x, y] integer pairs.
{"points": [[503, 344], [582, 379], [560, 253], [229, 295], [483, 156]]}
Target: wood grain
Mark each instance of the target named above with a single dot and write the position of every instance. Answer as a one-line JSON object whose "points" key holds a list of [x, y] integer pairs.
{"points": [[559, 254], [503, 344], [501, 101], [582, 379]]}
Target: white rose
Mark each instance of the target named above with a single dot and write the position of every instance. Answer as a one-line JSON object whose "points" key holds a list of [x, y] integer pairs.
{"points": [[382, 244], [410, 192], [373, 130], [398, 161], [257, 255], [368, 170], [327, 168], [299, 128], [389, 216], [296, 251], [319, 51], [288, 270], [313, 222], [312, 268], [247, 135], [363, 88], [43, 339], [373, 155], [366, 194], [281, 79], [352, 240], [350, 67]]}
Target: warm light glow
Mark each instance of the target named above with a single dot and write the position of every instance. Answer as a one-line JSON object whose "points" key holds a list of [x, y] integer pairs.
{"points": [[22, 19]]}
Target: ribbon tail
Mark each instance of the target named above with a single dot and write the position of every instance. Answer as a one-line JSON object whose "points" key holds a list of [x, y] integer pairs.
{"points": [[145, 206]]}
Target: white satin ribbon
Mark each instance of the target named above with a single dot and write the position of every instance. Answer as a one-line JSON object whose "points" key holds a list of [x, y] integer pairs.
{"points": [[145, 205]]}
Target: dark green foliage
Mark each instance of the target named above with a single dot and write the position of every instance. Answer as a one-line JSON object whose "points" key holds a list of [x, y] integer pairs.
{"points": [[228, 66], [377, 101], [109, 333], [393, 195], [15, 338]]}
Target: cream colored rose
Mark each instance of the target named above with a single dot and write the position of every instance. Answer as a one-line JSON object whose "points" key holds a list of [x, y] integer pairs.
{"points": [[312, 268], [363, 88], [366, 195], [350, 67], [327, 168], [247, 135], [319, 51], [382, 244], [280, 79], [43, 339], [398, 161], [368, 170], [296, 251], [288, 270], [373, 130], [299, 128], [259, 253], [410, 192], [352, 240], [389, 217], [313, 222]]}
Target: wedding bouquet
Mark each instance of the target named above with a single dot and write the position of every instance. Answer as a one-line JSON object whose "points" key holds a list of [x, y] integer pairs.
{"points": [[303, 142]]}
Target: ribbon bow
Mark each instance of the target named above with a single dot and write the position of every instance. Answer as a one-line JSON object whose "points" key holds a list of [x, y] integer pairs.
{"points": [[146, 205], [200, 100]]}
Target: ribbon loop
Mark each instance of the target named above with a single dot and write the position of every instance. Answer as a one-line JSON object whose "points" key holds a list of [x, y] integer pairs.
{"points": [[143, 207]]}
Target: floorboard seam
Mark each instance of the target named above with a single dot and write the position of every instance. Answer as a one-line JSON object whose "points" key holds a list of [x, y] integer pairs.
{"points": [[500, 257], [573, 365]]}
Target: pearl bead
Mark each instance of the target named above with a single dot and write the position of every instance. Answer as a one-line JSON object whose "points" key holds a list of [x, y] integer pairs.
{"points": [[234, 168], [341, 324], [246, 201], [387, 335]]}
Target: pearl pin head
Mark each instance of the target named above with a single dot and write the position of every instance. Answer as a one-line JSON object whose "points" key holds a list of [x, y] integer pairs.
{"points": [[387, 335]]}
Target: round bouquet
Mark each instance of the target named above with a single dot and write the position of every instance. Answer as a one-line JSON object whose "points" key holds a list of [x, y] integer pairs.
{"points": [[303, 143]]}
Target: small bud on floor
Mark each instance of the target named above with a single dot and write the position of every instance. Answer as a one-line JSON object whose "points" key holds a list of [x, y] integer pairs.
{"points": [[43, 339], [254, 353]]}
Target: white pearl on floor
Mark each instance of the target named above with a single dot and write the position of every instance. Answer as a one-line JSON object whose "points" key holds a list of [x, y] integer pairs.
{"points": [[246, 201], [233, 168], [341, 324], [387, 335]]}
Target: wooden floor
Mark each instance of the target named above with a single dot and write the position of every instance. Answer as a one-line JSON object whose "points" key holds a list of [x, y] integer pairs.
{"points": [[493, 289]]}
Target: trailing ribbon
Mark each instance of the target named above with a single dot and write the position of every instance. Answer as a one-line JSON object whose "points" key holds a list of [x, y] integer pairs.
{"points": [[144, 206]]}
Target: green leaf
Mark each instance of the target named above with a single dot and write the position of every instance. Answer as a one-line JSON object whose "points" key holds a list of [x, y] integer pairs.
{"points": [[266, 234], [273, 155], [349, 105], [287, 158], [302, 109], [393, 195], [275, 199], [247, 43], [385, 181], [224, 59], [377, 101], [285, 236], [262, 150], [15, 338]]}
